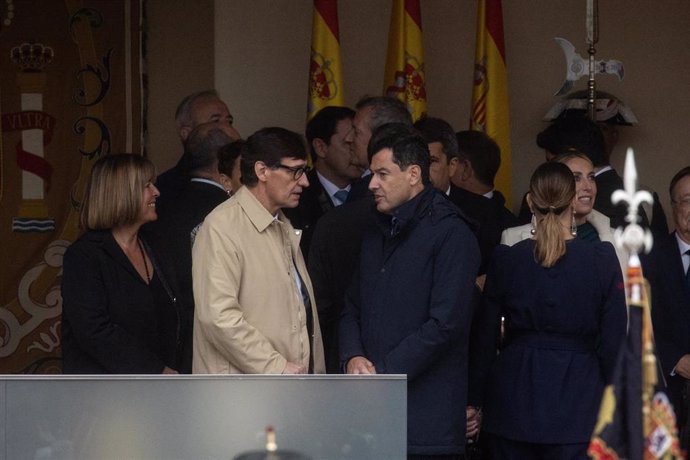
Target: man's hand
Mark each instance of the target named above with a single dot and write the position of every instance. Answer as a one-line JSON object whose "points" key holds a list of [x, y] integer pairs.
{"points": [[292, 368], [360, 365], [167, 370], [683, 367], [474, 421]]}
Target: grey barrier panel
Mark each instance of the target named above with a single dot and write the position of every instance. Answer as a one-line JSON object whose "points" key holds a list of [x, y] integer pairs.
{"points": [[201, 417]]}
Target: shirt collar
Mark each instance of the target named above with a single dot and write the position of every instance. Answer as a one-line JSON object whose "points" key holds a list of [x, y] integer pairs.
{"points": [[207, 181], [329, 186], [257, 214], [682, 245], [603, 170]]}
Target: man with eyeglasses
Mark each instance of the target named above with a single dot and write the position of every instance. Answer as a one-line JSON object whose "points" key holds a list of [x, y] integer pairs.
{"points": [[667, 268], [255, 310]]}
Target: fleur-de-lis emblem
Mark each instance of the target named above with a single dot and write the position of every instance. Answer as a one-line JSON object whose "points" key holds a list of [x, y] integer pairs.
{"points": [[633, 238]]}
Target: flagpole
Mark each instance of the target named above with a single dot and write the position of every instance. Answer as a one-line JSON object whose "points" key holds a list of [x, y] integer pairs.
{"points": [[634, 239], [592, 39]]}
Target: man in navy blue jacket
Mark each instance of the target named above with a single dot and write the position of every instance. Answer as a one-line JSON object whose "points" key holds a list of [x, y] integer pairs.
{"points": [[408, 310]]}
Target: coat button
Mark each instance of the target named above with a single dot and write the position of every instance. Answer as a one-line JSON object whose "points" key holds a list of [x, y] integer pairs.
{"points": [[383, 270]]}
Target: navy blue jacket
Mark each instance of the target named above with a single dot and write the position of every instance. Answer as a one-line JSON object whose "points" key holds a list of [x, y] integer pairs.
{"points": [[408, 311], [564, 326]]}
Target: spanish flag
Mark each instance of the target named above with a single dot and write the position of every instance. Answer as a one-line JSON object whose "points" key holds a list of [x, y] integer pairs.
{"points": [[490, 90], [325, 68], [404, 76]]}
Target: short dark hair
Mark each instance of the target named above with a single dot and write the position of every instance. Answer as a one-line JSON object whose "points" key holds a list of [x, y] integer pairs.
{"points": [[438, 130], [574, 133], [324, 124], [678, 176], [482, 152], [269, 145], [201, 147], [227, 155], [385, 110], [408, 146]]}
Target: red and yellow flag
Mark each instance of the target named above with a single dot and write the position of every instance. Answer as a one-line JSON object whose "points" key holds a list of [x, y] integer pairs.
{"points": [[490, 91], [404, 77], [325, 68]]}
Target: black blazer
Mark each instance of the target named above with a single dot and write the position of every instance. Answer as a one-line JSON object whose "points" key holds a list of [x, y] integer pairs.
{"points": [[490, 214], [313, 204], [170, 236], [112, 321], [359, 189], [333, 258], [663, 268]]}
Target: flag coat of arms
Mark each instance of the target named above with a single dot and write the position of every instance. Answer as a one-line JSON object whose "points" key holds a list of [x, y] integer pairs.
{"points": [[404, 77], [325, 66]]}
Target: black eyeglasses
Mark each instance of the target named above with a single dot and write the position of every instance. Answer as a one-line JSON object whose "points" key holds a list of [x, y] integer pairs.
{"points": [[297, 171]]}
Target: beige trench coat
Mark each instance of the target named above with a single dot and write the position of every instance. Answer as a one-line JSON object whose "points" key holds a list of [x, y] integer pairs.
{"points": [[249, 314]]}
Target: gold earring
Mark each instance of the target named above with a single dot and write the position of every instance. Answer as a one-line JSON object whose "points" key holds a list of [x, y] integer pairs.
{"points": [[573, 226]]}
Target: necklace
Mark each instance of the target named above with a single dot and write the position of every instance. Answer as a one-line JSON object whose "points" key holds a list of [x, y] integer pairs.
{"points": [[143, 256]]}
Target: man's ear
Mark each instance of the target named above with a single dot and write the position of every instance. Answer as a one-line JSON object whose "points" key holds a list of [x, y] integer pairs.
{"points": [[320, 148], [453, 165], [184, 132], [415, 174], [467, 171], [261, 171]]}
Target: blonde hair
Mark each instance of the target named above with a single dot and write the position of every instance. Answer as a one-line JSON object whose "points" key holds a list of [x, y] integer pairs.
{"points": [[114, 191], [551, 192]]}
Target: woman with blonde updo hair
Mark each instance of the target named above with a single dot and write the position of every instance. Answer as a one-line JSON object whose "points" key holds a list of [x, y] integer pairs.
{"points": [[565, 318]]}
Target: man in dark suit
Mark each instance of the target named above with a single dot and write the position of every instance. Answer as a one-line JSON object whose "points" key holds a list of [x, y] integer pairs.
{"points": [[334, 170], [194, 110], [666, 268], [179, 216]]}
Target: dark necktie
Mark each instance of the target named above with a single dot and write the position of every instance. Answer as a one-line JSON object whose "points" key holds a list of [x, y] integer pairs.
{"points": [[341, 195]]}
